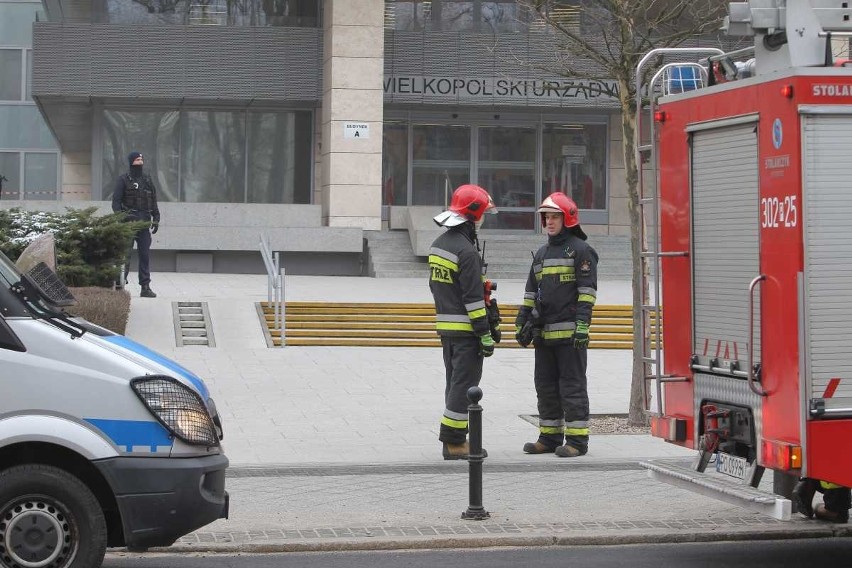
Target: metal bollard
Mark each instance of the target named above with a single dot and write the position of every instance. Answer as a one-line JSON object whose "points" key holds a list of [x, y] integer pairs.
{"points": [[475, 510]]}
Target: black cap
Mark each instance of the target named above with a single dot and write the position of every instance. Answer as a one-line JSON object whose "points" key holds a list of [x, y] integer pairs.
{"points": [[132, 156]]}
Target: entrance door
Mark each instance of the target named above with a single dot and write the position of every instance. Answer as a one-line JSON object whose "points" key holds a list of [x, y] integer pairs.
{"points": [[506, 168]]}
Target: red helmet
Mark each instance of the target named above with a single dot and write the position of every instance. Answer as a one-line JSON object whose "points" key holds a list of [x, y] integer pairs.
{"points": [[471, 201], [558, 202]]}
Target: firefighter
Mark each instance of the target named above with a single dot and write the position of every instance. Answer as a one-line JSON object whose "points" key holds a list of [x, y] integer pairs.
{"points": [[456, 281], [555, 316], [837, 500]]}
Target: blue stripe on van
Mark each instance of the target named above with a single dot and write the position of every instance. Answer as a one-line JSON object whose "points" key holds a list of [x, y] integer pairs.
{"points": [[129, 433], [131, 345]]}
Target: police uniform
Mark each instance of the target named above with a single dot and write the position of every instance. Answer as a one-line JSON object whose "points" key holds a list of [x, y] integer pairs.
{"points": [[562, 287], [136, 195]]}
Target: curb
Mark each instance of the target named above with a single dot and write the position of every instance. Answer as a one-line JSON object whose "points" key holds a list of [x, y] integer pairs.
{"points": [[536, 540]]}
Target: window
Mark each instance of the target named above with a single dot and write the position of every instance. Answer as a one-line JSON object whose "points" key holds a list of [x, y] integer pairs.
{"points": [[495, 16], [10, 175], [16, 22], [395, 164], [574, 162], [213, 156], [441, 162], [40, 175], [292, 13], [11, 66], [156, 134]]}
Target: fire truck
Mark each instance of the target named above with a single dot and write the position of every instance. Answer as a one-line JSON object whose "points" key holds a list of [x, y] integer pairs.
{"points": [[746, 197]]}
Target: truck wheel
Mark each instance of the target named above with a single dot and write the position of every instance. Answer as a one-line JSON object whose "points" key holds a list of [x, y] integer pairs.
{"points": [[49, 519]]}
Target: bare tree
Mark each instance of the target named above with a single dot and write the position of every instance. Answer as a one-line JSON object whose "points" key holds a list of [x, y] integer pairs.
{"points": [[605, 40]]}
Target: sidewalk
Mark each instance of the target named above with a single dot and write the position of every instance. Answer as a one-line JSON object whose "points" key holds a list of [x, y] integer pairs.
{"points": [[336, 448]]}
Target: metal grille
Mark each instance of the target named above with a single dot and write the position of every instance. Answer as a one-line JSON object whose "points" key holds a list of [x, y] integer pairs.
{"points": [[50, 285], [177, 62], [178, 408]]}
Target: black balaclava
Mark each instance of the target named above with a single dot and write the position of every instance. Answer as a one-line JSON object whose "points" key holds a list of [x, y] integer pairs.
{"points": [[135, 171]]}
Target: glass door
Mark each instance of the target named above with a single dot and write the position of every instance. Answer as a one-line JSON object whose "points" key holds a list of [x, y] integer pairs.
{"points": [[506, 168]]}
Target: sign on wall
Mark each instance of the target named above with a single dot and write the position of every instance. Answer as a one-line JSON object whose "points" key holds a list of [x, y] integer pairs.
{"points": [[468, 87], [356, 130]]}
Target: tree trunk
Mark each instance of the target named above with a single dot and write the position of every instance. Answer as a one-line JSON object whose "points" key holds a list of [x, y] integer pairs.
{"points": [[637, 416]]}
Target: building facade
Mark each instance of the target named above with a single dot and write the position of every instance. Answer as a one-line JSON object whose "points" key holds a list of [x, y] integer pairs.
{"points": [[369, 111], [29, 155]]}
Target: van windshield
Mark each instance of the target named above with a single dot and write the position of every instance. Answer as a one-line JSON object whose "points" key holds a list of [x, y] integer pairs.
{"points": [[11, 304], [8, 271]]}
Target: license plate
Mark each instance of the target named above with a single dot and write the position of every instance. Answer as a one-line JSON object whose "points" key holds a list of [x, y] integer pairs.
{"points": [[731, 465]]}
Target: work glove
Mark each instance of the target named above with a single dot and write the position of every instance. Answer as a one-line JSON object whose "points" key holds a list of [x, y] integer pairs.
{"points": [[486, 345], [154, 228], [581, 335], [494, 320], [524, 334]]}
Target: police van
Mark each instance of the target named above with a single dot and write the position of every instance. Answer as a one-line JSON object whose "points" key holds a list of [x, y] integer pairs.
{"points": [[103, 442]]}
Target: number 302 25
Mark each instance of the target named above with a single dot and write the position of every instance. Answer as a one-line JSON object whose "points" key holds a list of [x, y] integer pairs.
{"points": [[779, 212]]}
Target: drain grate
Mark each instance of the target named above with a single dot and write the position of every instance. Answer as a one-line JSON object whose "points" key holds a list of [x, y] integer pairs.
{"points": [[192, 324]]}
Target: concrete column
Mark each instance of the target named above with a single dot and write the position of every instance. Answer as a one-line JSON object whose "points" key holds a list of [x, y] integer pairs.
{"points": [[353, 69], [76, 176]]}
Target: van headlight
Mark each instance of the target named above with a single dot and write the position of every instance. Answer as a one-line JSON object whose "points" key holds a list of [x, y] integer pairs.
{"points": [[178, 408]]}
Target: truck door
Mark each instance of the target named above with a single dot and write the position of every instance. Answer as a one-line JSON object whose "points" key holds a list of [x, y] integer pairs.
{"points": [[827, 279], [725, 258]]}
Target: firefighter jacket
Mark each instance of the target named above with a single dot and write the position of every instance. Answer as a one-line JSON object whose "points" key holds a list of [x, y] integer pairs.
{"points": [[136, 195], [456, 282], [562, 287]]}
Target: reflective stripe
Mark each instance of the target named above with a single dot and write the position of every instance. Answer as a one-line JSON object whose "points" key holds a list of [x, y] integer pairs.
{"points": [[577, 424], [550, 429], [476, 314], [586, 298], [559, 423], [461, 424], [548, 270], [558, 262], [559, 330], [576, 431], [438, 261], [444, 254], [453, 322], [455, 415], [473, 306], [529, 295], [829, 485], [587, 290], [446, 326], [529, 303], [558, 326], [452, 317], [557, 334]]}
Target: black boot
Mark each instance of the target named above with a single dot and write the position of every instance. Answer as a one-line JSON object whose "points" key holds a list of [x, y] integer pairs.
{"points": [[803, 495], [147, 292]]}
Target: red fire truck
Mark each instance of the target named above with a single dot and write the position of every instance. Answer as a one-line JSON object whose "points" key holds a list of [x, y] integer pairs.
{"points": [[752, 266]]}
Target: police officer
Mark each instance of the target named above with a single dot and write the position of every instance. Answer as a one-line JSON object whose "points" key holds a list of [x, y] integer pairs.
{"points": [[136, 195], [837, 500], [555, 316], [456, 282]]}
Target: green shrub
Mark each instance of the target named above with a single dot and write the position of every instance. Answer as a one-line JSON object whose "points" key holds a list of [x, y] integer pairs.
{"points": [[88, 248], [102, 306]]}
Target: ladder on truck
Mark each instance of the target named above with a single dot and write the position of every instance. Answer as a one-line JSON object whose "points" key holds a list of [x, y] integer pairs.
{"points": [[668, 79]]}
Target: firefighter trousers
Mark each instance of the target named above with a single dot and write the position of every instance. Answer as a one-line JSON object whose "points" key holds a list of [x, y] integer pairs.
{"points": [[463, 365], [563, 398]]}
